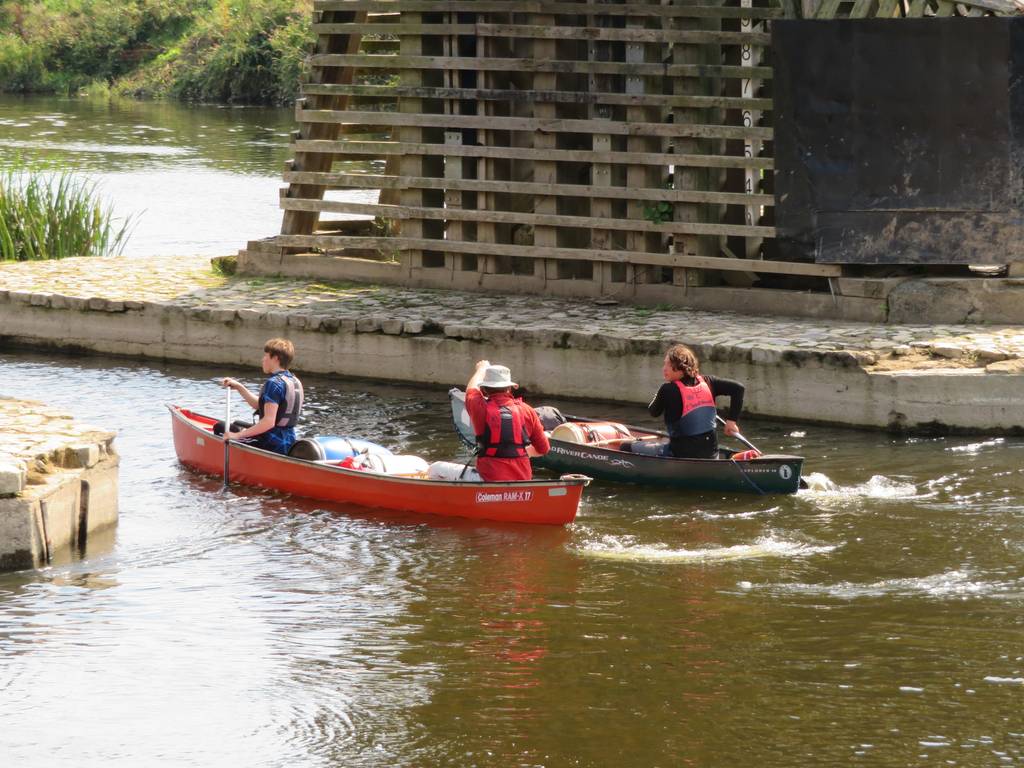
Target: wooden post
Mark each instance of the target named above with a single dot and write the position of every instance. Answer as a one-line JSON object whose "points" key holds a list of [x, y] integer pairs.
{"points": [[750, 56], [684, 175], [411, 164], [544, 172], [304, 222], [600, 173]]}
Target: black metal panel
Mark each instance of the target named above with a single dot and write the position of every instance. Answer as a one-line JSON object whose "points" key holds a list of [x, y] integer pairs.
{"points": [[899, 141]]}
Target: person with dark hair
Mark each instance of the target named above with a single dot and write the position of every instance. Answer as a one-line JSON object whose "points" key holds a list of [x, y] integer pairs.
{"points": [[508, 431], [687, 401], [277, 406]]}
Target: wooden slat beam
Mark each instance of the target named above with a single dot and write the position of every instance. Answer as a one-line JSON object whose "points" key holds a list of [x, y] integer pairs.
{"points": [[336, 180], [352, 150], [529, 31], [371, 61], [563, 97], [527, 251], [760, 265], [538, 6], [488, 249], [512, 217], [552, 125]]}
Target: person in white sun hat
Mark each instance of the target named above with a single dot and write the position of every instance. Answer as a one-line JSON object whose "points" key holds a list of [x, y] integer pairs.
{"points": [[508, 431]]}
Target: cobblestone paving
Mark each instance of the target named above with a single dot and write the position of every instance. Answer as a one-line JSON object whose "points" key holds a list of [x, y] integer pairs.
{"points": [[31, 429], [189, 281], [36, 440]]}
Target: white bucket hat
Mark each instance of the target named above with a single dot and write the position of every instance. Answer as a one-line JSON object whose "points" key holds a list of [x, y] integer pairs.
{"points": [[497, 377]]}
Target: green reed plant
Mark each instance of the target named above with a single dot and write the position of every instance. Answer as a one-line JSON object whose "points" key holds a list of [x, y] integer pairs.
{"points": [[54, 216]]}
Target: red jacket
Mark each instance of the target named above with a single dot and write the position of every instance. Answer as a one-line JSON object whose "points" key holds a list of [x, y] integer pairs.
{"points": [[494, 469]]}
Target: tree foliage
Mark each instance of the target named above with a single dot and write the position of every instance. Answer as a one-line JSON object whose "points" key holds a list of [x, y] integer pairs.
{"points": [[245, 51]]}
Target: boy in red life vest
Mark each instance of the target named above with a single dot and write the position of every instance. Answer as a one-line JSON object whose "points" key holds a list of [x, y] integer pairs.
{"points": [[508, 431], [687, 401]]}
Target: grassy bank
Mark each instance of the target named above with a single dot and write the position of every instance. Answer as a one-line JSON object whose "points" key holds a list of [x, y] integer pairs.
{"points": [[54, 216], [226, 51]]}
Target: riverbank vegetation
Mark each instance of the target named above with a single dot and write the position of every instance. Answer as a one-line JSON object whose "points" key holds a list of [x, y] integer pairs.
{"points": [[54, 216], [226, 51]]}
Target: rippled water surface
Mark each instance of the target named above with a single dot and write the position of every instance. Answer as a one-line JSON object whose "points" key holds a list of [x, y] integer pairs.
{"points": [[879, 622]]}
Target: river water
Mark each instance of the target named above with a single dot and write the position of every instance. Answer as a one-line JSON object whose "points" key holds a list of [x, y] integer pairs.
{"points": [[880, 622], [200, 179]]}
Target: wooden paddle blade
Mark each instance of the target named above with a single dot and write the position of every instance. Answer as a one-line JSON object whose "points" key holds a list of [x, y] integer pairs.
{"points": [[460, 417]]}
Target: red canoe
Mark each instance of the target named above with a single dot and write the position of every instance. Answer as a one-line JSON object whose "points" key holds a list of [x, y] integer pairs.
{"points": [[551, 502]]}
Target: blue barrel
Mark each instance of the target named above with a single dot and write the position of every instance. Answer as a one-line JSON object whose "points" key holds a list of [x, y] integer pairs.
{"points": [[334, 448]]}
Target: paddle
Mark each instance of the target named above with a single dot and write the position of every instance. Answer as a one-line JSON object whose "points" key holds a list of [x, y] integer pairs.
{"points": [[738, 436], [227, 427]]}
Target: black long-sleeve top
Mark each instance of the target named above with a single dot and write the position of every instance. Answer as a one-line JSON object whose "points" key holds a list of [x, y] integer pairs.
{"points": [[668, 402]]}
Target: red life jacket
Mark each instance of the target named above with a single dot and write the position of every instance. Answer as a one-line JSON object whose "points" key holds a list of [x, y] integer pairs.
{"points": [[698, 410], [505, 435]]}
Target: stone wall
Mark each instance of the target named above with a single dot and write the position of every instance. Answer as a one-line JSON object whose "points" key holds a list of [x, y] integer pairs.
{"points": [[58, 484], [914, 378]]}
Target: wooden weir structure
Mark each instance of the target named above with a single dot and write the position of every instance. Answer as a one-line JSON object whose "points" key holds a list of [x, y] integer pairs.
{"points": [[600, 149]]}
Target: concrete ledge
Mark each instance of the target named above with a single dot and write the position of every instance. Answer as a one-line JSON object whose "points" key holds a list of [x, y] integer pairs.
{"points": [[58, 484], [918, 385], [273, 262]]}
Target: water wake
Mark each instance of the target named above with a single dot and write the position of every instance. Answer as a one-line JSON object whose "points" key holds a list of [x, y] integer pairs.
{"points": [[878, 487], [618, 548], [973, 448], [954, 584]]}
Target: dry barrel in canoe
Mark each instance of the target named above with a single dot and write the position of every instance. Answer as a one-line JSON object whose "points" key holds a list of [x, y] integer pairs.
{"points": [[550, 502], [600, 456]]}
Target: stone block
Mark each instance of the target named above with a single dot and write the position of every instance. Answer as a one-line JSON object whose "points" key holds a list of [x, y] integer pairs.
{"points": [[19, 297], [61, 510], [845, 358], [916, 301], [99, 496], [391, 327], [991, 354], [21, 543], [275, 319], [81, 456], [114, 305], [368, 324], [96, 304], [765, 356], [13, 475], [1015, 365], [39, 299], [412, 327], [223, 315], [949, 351]]}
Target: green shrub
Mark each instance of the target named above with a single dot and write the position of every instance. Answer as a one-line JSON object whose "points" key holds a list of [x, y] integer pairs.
{"points": [[245, 51], [21, 65], [47, 216]]}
